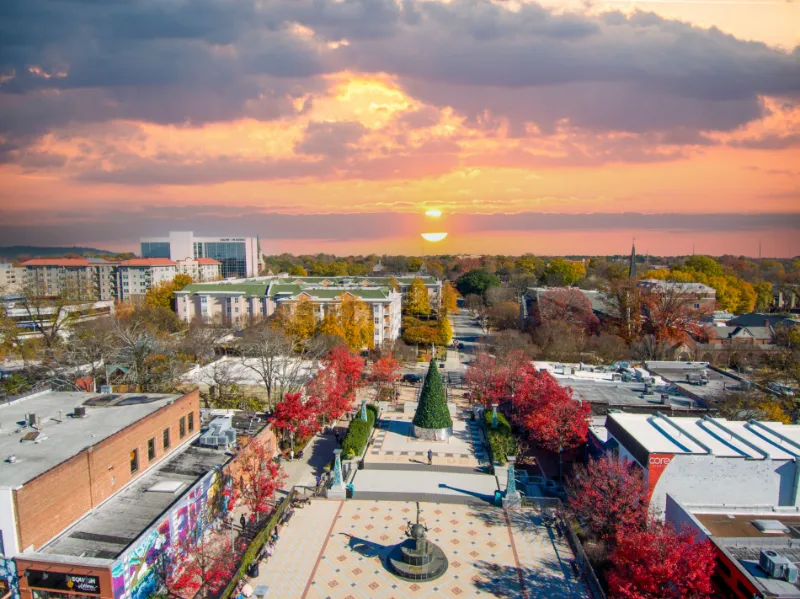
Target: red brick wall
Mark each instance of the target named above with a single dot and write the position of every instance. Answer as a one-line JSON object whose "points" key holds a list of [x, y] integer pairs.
{"points": [[57, 498]]}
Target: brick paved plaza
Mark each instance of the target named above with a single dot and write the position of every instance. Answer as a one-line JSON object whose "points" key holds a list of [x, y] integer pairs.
{"points": [[336, 550]]}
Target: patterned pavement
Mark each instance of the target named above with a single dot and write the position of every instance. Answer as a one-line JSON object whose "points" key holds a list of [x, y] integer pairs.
{"points": [[336, 550]]}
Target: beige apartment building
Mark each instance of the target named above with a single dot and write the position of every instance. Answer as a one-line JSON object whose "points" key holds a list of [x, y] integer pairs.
{"points": [[81, 278], [12, 278]]}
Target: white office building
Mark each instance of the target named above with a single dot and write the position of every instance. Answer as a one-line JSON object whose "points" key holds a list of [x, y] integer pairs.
{"points": [[239, 256]]}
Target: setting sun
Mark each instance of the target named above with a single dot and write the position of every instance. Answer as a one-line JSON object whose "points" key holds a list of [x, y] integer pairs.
{"points": [[433, 237], [434, 213]]}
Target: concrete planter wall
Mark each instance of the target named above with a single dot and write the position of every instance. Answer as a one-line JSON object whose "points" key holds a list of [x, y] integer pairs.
{"points": [[433, 434]]}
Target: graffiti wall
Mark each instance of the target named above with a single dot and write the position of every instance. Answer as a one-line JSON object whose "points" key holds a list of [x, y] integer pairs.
{"points": [[138, 572], [8, 578]]}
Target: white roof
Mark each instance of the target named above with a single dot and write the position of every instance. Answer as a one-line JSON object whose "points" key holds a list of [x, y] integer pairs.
{"points": [[712, 436], [241, 371]]}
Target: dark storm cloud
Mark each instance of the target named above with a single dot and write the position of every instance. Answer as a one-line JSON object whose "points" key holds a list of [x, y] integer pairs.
{"points": [[126, 226], [214, 60]]}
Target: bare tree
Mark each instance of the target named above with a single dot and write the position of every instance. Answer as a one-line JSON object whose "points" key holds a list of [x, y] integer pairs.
{"points": [[271, 354], [473, 302]]}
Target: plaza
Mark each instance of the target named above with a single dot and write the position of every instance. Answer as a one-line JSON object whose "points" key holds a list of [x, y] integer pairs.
{"points": [[338, 549]]}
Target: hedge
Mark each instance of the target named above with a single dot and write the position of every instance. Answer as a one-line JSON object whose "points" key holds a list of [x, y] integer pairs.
{"points": [[258, 542], [358, 432], [501, 439]]}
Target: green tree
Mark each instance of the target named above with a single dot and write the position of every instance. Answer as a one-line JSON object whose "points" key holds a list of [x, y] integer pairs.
{"points": [[417, 301], [564, 273], [297, 270], [414, 264], [763, 296], [476, 281], [432, 410]]}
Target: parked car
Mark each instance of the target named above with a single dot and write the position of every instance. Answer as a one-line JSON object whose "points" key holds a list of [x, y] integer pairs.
{"points": [[779, 389], [411, 378]]}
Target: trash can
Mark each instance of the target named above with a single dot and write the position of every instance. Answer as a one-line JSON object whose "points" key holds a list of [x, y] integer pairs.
{"points": [[252, 571], [360, 464], [349, 491]]}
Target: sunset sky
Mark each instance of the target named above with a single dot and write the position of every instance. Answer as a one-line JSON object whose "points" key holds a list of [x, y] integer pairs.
{"points": [[559, 127]]}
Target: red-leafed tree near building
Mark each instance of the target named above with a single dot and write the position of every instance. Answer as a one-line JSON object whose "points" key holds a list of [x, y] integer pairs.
{"points": [[547, 411], [385, 372], [660, 562], [295, 418], [482, 378], [671, 314], [608, 495], [326, 396], [569, 305], [348, 366], [201, 564], [259, 477]]}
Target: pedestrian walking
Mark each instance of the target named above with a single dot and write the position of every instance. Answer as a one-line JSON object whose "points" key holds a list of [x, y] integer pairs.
{"points": [[430, 457], [243, 521]]}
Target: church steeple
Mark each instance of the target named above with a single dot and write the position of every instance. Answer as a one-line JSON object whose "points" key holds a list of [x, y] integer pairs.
{"points": [[632, 268]]}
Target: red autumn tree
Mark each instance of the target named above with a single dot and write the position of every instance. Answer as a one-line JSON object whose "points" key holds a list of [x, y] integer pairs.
{"points": [[608, 495], [295, 418], [482, 378], [348, 367], [512, 371], [670, 313], [201, 565], [547, 411], [259, 477], [385, 371], [660, 562], [569, 305], [326, 395]]}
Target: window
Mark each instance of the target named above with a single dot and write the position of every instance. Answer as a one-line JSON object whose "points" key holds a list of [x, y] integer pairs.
{"points": [[151, 449], [134, 457], [166, 438], [182, 427], [191, 421], [742, 589]]}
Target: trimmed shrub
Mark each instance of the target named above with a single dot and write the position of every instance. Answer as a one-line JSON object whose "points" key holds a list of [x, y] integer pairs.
{"points": [[358, 432], [432, 410], [386, 394], [501, 439]]}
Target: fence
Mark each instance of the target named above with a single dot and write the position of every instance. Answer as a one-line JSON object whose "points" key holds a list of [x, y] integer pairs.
{"points": [[249, 555], [582, 562]]}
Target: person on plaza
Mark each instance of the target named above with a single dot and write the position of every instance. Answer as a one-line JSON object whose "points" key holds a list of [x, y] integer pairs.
{"points": [[243, 521], [430, 457]]}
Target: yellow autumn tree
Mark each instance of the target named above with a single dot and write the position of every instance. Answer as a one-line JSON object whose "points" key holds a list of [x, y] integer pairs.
{"points": [[355, 320], [162, 295], [330, 325], [449, 299], [773, 411], [394, 284], [417, 302], [445, 331], [300, 324]]}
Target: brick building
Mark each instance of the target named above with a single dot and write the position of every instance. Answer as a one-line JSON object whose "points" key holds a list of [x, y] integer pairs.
{"points": [[103, 493], [70, 452]]}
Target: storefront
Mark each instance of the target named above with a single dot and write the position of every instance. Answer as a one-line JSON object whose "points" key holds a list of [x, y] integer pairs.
{"points": [[8, 579], [62, 581]]}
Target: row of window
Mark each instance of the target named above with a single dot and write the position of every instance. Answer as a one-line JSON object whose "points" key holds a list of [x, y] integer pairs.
{"points": [[184, 424]]}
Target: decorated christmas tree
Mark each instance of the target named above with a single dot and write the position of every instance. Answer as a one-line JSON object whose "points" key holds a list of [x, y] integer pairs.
{"points": [[432, 410]]}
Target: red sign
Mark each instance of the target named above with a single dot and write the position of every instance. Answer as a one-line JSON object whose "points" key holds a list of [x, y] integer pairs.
{"points": [[656, 464]]}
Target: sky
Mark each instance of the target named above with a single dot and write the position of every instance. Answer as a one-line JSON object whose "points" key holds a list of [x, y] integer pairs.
{"points": [[559, 127]]}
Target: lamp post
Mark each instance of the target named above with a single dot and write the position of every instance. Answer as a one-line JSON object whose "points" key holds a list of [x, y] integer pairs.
{"points": [[495, 423]]}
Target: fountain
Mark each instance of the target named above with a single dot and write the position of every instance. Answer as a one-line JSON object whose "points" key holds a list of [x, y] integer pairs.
{"points": [[417, 558]]}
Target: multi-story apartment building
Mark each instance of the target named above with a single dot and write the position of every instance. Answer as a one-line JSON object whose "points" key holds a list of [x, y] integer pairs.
{"points": [[200, 269], [12, 278], [239, 256], [137, 276], [80, 278], [238, 301]]}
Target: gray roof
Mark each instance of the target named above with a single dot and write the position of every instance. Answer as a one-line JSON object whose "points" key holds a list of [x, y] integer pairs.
{"points": [[109, 529], [62, 436], [756, 319], [618, 393]]}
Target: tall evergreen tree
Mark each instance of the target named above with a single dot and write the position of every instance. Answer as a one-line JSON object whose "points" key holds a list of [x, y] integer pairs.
{"points": [[432, 410]]}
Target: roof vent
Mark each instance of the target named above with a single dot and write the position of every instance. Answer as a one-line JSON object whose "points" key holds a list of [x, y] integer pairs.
{"points": [[80, 412], [774, 527], [12, 459], [166, 486], [220, 433], [31, 419]]}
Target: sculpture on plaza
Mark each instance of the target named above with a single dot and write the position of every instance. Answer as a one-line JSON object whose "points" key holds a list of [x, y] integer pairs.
{"points": [[417, 558]]}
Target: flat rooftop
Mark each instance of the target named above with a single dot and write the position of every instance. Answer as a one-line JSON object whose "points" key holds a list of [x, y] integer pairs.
{"points": [[705, 435], [108, 530], [61, 436], [676, 372], [722, 525]]}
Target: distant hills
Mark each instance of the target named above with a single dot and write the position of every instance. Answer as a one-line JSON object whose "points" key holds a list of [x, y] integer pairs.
{"points": [[12, 252]]}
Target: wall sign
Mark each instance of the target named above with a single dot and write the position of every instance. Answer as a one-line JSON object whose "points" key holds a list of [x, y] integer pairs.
{"points": [[64, 582]]}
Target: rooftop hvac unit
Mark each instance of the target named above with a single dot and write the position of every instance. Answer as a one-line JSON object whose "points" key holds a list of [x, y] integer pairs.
{"points": [[664, 399], [31, 419], [774, 564], [791, 573], [80, 412], [220, 433]]}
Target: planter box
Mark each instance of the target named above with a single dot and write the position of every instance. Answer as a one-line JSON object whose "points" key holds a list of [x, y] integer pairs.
{"points": [[433, 434]]}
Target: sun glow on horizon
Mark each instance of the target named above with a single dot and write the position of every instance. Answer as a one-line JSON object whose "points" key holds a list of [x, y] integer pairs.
{"points": [[433, 213], [433, 237]]}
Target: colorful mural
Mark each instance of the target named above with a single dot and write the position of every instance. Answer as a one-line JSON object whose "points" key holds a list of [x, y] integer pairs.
{"points": [[8, 572], [138, 572]]}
